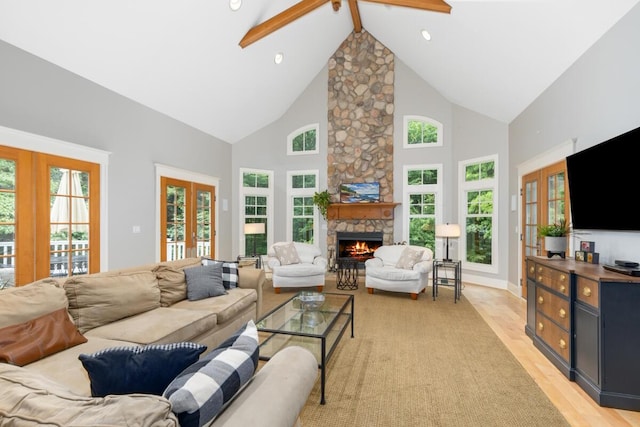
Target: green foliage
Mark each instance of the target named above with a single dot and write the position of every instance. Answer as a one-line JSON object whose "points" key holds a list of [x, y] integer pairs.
{"points": [[559, 229], [420, 132], [322, 200]]}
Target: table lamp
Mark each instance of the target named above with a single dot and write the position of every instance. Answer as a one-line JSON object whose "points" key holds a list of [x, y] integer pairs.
{"points": [[254, 228], [447, 230]]}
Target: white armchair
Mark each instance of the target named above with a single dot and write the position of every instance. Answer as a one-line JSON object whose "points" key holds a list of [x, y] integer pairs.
{"points": [[296, 265], [393, 269]]}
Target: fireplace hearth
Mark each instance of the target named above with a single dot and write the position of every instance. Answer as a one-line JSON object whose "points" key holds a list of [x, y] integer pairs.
{"points": [[358, 246]]}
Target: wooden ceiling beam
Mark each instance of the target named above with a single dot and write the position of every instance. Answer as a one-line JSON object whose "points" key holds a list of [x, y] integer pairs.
{"points": [[432, 5], [355, 16], [280, 20]]}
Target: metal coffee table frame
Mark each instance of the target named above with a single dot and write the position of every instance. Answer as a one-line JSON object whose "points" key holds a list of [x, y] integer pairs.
{"points": [[288, 325]]}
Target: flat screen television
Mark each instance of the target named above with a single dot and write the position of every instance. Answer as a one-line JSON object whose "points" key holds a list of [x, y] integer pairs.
{"points": [[603, 184]]}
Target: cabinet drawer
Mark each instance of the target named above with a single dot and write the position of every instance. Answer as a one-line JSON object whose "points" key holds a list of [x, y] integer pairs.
{"points": [[531, 270], [588, 291], [554, 307], [554, 279], [553, 336]]}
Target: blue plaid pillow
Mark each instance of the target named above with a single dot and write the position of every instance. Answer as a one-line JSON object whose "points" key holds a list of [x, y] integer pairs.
{"points": [[229, 272], [148, 369], [201, 391]]}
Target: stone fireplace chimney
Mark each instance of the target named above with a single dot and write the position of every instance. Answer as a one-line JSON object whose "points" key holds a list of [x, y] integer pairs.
{"points": [[360, 126]]}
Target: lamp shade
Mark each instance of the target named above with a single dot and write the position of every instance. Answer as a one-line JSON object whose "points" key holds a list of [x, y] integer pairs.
{"points": [[254, 228], [447, 230]]}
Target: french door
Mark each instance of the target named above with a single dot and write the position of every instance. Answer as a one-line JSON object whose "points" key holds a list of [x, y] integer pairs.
{"points": [[186, 223], [545, 200], [49, 216]]}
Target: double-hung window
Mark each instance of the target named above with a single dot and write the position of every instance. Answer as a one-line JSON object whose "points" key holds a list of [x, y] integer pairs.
{"points": [[422, 191], [479, 188], [256, 204], [302, 218]]}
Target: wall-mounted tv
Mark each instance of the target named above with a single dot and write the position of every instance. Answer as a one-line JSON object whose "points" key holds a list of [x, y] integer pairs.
{"points": [[603, 184], [360, 192]]}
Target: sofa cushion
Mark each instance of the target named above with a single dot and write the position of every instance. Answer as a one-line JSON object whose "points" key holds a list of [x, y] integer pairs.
{"points": [[160, 326], [65, 367], [227, 307], [200, 392], [299, 270], [34, 300], [204, 281], [392, 273], [29, 398], [34, 339], [99, 300], [287, 253], [171, 279], [148, 369], [408, 258], [229, 272]]}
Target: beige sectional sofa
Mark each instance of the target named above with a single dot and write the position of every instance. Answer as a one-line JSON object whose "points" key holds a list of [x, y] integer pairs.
{"points": [[135, 307]]}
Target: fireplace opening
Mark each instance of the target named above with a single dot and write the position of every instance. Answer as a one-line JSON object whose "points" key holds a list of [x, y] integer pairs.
{"points": [[357, 246]]}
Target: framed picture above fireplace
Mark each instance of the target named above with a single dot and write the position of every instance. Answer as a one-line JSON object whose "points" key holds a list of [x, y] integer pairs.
{"points": [[360, 192]]}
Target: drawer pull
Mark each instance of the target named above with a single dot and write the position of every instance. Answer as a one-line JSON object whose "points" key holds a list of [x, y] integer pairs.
{"points": [[563, 344], [539, 269], [540, 326], [563, 277], [586, 291], [562, 313], [540, 299], [563, 288], [540, 279], [532, 269]]}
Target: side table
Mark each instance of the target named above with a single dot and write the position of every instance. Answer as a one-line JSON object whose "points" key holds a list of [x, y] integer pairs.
{"points": [[347, 274], [440, 278]]}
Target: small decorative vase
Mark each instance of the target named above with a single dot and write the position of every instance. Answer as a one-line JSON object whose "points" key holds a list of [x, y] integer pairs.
{"points": [[555, 246]]}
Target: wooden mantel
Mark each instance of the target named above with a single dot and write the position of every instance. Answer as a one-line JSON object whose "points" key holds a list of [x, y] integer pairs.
{"points": [[361, 210]]}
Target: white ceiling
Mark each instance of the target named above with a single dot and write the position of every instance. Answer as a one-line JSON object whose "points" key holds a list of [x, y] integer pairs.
{"points": [[182, 58]]}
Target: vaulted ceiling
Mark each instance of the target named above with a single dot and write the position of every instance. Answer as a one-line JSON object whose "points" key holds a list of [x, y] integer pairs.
{"points": [[183, 58]]}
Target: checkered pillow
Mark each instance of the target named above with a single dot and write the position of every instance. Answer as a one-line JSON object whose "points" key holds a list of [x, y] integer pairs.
{"points": [[229, 272], [202, 390]]}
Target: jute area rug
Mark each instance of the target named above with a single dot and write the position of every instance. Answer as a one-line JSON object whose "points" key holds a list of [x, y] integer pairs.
{"points": [[421, 363]]}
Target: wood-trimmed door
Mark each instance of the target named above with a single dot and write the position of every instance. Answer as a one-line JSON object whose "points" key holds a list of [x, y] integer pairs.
{"points": [[187, 226], [545, 200]]}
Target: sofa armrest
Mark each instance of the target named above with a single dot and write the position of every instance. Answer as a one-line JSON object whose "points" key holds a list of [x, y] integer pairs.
{"points": [[273, 262], [423, 266], [276, 394], [373, 262], [252, 278], [321, 261]]}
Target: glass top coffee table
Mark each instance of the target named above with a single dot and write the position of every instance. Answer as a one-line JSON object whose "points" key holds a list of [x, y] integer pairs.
{"points": [[317, 330]]}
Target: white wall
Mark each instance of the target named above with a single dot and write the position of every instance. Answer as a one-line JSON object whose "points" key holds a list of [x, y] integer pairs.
{"points": [[43, 99], [596, 99]]}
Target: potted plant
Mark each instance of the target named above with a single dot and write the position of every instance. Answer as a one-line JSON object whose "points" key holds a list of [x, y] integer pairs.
{"points": [[555, 238], [322, 200]]}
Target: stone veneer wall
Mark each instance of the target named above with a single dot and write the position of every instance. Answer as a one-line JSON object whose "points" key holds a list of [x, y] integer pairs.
{"points": [[360, 126]]}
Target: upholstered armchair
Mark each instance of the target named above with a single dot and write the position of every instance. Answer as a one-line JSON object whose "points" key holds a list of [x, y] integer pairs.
{"points": [[296, 265], [399, 268]]}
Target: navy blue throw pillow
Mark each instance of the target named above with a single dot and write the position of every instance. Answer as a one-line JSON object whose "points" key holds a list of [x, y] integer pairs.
{"points": [[148, 369]]}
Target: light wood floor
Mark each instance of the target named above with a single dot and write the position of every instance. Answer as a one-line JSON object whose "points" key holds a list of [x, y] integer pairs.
{"points": [[506, 314]]}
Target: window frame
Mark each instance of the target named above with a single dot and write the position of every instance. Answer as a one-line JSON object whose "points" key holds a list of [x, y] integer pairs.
{"points": [[268, 192], [302, 130], [423, 119], [480, 185], [37, 143], [301, 192], [436, 189]]}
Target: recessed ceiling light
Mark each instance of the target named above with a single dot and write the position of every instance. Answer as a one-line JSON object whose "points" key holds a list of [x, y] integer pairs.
{"points": [[426, 35], [278, 58], [235, 4]]}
